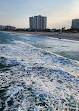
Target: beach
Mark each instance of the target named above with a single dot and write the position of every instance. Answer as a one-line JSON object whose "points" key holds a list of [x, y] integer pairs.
{"points": [[62, 35], [34, 77], [69, 36]]}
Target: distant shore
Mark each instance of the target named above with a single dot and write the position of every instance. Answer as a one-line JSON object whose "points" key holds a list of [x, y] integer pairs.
{"points": [[69, 36]]}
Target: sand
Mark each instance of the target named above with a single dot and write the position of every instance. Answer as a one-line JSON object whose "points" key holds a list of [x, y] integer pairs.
{"points": [[70, 36]]}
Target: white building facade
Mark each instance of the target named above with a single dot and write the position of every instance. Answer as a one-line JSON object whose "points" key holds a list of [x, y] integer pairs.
{"points": [[40, 22], [75, 23]]}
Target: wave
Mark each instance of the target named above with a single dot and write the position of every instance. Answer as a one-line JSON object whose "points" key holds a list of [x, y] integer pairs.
{"points": [[36, 79]]}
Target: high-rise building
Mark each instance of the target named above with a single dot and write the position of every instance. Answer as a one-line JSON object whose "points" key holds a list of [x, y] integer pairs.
{"points": [[35, 22], [75, 23], [38, 22], [44, 22], [31, 22]]}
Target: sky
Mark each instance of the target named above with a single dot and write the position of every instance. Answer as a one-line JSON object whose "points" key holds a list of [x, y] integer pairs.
{"points": [[59, 12]]}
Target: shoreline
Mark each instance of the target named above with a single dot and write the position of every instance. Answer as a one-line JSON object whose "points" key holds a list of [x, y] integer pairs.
{"points": [[68, 36]]}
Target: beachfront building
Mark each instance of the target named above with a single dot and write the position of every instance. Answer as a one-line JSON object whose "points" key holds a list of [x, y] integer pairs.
{"points": [[44, 22], [75, 24], [35, 22], [31, 22], [8, 27], [38, 22], [2, 27]]}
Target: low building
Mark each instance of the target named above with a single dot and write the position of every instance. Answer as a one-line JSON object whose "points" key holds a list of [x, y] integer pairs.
{"points": [[2, 27], [52, 30], [8, 27]]}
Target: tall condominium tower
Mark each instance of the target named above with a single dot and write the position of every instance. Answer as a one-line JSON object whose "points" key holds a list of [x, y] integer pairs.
{"points": [[35, 22], [38, 22], [31, 22], [44, 22], [75, 23]]}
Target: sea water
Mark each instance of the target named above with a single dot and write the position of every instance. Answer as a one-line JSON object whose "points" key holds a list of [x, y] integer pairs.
{"points": [[38, 73]]}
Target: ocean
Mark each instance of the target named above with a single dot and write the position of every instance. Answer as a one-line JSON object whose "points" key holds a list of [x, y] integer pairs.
{"points": [[38, 73]]}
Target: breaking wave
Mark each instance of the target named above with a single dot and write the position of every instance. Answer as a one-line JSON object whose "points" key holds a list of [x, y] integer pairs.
{"points": [[32, 79]]}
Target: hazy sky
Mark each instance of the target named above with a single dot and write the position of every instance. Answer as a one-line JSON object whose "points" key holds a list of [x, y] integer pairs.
{"points": [[59, 12]]}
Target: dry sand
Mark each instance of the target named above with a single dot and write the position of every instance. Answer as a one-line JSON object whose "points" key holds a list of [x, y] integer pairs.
{"points": [[70, 36]]}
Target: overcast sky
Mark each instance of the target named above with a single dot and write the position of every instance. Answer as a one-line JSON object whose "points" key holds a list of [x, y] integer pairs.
{"points": [[59, 12]]}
